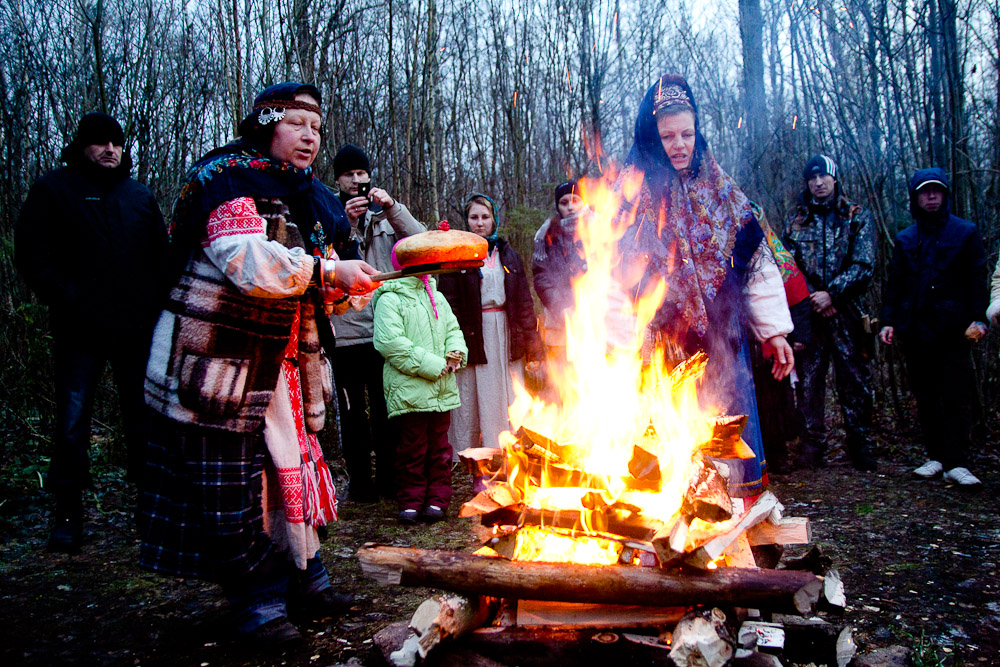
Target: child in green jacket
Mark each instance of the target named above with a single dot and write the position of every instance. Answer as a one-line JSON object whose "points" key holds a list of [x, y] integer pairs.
{"points": [[419, 336]]}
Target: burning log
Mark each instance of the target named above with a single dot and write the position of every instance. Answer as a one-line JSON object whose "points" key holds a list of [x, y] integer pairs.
{"points": [[482, 461], [567, 582], [608, 522], [726, 442]]}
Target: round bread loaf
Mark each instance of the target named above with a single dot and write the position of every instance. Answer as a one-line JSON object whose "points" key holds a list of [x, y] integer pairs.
{"points": [[440, 246]]}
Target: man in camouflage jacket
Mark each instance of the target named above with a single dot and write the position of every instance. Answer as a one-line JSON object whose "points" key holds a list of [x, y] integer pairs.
{"points": [[833, 241]]}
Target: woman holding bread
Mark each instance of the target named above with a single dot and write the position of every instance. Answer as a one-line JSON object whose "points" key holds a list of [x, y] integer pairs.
{"points": [[236, 489], [494, 308]]}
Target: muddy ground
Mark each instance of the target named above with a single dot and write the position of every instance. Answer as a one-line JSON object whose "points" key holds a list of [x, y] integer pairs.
{"points": [[919, 561]]}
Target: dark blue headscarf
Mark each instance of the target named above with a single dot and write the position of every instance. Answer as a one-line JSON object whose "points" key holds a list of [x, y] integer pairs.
{"points": [[244, 169]]}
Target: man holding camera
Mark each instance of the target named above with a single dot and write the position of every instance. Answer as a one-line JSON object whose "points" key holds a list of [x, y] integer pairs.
{"points": [[377, 222]]}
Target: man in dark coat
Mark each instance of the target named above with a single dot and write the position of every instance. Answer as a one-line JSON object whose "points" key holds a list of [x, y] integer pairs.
{"points": [[833, 242], [935, 306], [90, 243]]}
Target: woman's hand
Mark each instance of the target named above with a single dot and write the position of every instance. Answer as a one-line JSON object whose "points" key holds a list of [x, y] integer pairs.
{"points": [[352, 276], [784, 361]]}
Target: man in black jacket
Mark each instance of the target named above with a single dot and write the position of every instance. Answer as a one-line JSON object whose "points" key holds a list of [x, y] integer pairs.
{"points": [[90, 243], [935, 304]]}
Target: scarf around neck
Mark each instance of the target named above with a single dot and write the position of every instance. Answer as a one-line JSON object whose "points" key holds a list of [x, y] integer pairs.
{"points": [[693, 232], [239, 169]]}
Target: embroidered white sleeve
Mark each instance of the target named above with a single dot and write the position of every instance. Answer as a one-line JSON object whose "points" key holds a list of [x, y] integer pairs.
{"points": [[256, 266], [767, 306]]}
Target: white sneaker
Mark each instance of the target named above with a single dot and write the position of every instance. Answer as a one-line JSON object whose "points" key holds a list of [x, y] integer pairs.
{"points": [[961, 476], [929, 469]]}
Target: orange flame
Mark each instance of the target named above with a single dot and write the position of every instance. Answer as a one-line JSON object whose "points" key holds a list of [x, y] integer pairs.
{"points": [[615, 390]]}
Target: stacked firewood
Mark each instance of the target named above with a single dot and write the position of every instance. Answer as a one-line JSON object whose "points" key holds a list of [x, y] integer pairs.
{"points": [[688, 588], [707, 526]]}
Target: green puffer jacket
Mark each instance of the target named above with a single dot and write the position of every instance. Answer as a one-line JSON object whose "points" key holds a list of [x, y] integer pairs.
{"points": [[414, 343]]}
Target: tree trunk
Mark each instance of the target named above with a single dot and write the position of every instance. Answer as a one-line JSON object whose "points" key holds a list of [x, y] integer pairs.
{"points": [[754, 103]]}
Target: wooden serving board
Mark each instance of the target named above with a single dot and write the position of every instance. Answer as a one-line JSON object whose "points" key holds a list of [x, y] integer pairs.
{"points": [[426, 269]]}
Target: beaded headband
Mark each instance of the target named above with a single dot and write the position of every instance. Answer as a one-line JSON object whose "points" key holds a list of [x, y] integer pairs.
{"points": [[670, 95], [274, 110]]}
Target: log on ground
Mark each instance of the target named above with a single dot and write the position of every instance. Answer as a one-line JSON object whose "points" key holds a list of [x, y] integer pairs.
{"points": [[776, 590]]}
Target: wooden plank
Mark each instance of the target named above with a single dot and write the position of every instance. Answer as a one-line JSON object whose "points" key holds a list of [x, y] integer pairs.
{"points": [[575, 615], [791, 530]]}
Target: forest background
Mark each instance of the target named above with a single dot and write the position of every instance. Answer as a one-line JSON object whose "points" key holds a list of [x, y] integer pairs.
{"points": [[510, 98]]}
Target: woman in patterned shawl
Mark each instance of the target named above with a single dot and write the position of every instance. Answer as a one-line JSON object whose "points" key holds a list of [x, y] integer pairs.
{"points": [[236, 489], [695, 229]]}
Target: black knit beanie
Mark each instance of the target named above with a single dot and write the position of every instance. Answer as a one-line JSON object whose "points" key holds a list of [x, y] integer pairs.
{"points": [[98, 128], [563, 189], [349, 158], [819, 165]]}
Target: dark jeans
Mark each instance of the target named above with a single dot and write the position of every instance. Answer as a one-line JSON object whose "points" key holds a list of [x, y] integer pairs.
{"points": [[364, 421], [838, 339], [80, 360], [262, 595], [423, 460], [942, 381]]}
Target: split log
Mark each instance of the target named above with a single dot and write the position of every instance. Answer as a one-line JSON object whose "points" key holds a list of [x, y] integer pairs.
{"points": [[713, 548], [669, 541], [790, 530], [701, 639], [775, 590], [447, 616], [707, 497], [726, 442], [495, 497], [482, 461], [391, 639], [816, 640]]}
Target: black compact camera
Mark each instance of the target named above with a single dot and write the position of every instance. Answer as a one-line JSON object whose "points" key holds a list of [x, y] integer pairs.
{"points": [[364, 189]]}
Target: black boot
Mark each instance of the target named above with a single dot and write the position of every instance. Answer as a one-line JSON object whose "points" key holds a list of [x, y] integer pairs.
{"points": [[862, 457], [67, 530]]}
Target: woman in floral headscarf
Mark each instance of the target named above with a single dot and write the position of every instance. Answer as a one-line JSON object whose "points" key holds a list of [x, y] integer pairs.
{"points": [[696, 230]]}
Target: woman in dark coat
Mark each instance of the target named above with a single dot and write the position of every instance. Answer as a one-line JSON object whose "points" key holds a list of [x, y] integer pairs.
{"points": [[497, 315]]}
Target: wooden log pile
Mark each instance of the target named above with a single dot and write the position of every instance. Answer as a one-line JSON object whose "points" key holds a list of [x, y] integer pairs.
{"points": [[681, 591]]}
